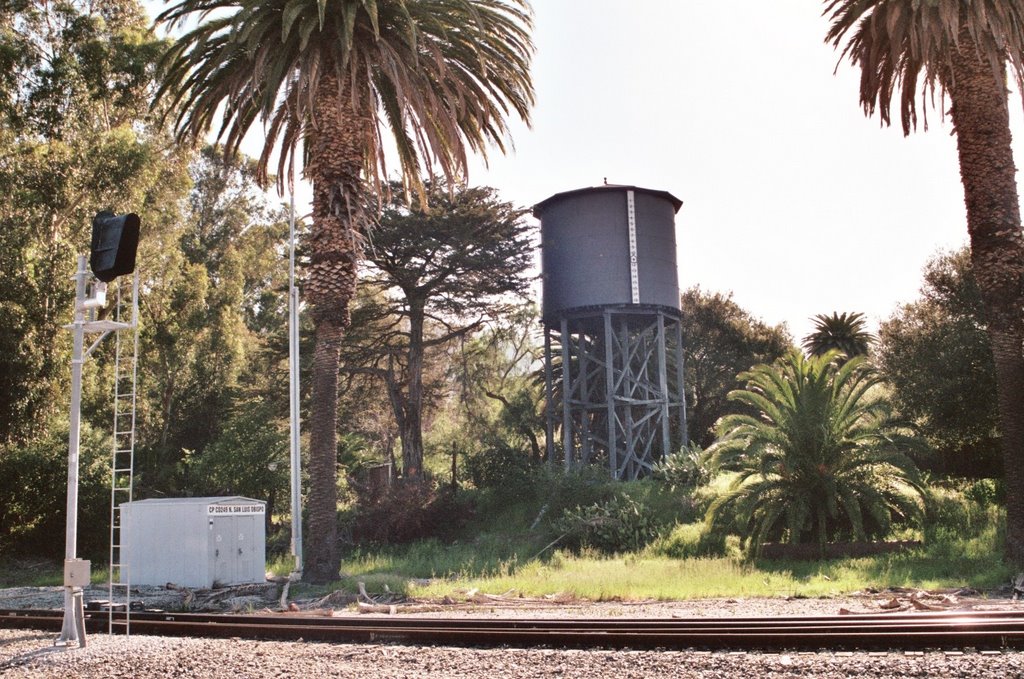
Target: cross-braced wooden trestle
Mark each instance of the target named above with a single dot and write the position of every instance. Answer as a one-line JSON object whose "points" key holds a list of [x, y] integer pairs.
{"points": [[615, 387]]}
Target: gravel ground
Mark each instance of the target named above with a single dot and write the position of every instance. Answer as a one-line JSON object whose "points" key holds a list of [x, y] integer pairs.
{"points": [[25, 654], [31, 654]]}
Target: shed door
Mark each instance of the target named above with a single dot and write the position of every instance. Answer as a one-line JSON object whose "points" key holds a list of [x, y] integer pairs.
{"points": [[245, 530], [234, 549], [225, 550]]}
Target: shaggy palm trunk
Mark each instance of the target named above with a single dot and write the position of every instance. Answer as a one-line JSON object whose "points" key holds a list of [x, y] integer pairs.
{"points": [[338, 213], [981, 119]]}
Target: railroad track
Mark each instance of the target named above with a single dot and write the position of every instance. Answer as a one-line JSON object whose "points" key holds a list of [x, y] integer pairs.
{"points": [[989, 630]]}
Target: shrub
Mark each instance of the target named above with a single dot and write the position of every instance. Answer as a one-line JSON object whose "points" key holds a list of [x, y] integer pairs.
{"points": [[986, 492], [688, 466], [703, 496], [579, 487], [408, 511], [544, 494], [691, 540], [33, 495], [499, 466], [962, 513], [620, 524]]}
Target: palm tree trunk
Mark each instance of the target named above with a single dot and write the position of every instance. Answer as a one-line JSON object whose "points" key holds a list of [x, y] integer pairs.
{"points": [[338, 214], [322, 558], [981, 119]]}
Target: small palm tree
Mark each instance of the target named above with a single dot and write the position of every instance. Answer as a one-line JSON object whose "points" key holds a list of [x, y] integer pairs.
{"points": [[823, 460], [336, 78], [841, 332]]}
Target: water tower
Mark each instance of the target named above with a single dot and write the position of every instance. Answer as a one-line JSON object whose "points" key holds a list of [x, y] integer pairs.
{"points": [[613, 345]]}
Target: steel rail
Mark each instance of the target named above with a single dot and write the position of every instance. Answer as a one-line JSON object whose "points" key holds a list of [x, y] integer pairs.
{"points": [[987, 630], [574, 623]]}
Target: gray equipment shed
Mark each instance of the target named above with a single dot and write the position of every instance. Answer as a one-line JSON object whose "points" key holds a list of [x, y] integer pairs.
{"points": [[194, 541]]}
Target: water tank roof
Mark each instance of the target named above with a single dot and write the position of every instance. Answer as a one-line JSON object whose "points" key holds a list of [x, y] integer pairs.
{"points": [[539, 208]]}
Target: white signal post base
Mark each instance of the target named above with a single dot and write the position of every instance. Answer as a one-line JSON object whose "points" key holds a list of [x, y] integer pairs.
{"points": [[76, 571]]}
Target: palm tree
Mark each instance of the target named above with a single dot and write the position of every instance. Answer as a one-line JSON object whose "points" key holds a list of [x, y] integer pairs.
{"points": [[962, 48], [841, 331], [821, 460], [332, 76]]}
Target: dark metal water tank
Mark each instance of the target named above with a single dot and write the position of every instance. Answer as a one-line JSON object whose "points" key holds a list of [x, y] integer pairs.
{"points": [[589, 257]]}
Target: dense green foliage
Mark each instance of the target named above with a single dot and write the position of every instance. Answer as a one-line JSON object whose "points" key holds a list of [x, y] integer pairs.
{"points": [[76, 138], [618, 525], [432, 275], [936, 355], [213, 333], [71, 143], [685, 467], [722, 340], [500, 401], [821, 461], [33, 483]]}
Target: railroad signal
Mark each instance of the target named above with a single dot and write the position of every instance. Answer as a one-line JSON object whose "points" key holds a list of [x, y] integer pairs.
{"points": [[115, 240]]}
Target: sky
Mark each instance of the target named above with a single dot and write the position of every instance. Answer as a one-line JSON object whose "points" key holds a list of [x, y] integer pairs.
{"points": [[793, 200]]}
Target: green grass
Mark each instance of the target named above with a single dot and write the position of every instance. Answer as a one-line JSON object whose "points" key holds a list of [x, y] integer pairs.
{"points": [[507, 548], [432, 570], [29, 573], [668, 579], [634, 577], [41, 573]]}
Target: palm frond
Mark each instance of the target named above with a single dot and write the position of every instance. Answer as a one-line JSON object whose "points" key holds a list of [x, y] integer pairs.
{"points": [[441, 75], [904, 47], [821, 454]]}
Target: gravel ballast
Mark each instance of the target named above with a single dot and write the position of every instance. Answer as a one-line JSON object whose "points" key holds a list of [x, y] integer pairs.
{"points": [[27, 654], [31, 654]]}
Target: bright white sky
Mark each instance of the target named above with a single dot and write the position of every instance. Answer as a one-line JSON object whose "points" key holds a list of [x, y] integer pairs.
{"points": [[793, 200]]}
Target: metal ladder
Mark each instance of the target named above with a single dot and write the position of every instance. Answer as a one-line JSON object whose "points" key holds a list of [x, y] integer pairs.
{"points": [[122, 474]]}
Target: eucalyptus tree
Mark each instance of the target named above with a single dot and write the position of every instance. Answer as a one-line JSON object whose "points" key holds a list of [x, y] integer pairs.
{"points": [[962, 48], [821, 459], [212, 321], [74, 78], [440, 77], [844, 332]]}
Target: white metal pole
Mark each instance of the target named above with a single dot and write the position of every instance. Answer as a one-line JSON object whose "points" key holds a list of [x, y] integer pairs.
{"points": [[69, 630], [293, 383]]}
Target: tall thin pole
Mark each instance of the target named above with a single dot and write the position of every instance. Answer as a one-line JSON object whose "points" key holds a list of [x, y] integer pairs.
{"points": [[293, 382], [70, 630]]}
